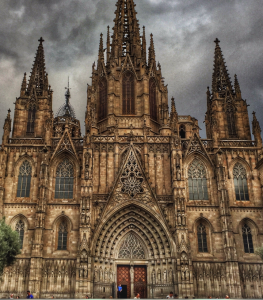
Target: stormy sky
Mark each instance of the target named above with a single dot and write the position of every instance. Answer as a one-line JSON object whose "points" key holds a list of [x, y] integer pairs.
{"points": [[184, 31]]}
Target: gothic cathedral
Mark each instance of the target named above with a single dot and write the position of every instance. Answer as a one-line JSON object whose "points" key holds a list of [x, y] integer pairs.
{"points": [[138, 199]]}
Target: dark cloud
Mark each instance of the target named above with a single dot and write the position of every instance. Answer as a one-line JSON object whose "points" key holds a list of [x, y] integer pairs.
{"points": [[184, 32]]}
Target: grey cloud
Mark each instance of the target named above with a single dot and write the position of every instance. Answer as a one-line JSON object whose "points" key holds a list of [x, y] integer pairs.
{"points": [[184, 32]]}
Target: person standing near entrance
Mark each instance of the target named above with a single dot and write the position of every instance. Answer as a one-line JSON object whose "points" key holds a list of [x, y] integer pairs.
{"points": [[119, 291], [137, 296], [170, 296]]}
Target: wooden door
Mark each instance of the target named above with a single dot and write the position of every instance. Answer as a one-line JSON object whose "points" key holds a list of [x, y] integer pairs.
{"points": [[140, 281], [123, 278]]}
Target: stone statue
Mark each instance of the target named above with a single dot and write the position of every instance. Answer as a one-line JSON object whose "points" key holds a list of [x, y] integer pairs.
{"points": [[164, 276], [153, 276]]}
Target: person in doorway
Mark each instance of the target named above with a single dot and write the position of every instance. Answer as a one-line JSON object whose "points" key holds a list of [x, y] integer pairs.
{"points": [[170, 296], [137, 296], [119, 291], [11, 296], [29, 295]]}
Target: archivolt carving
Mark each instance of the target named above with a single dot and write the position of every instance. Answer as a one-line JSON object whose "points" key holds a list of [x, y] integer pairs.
{"points": [[136, 220]]}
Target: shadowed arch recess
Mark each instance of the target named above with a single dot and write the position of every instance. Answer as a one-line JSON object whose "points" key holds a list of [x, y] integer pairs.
{"points": [[137, 220]]}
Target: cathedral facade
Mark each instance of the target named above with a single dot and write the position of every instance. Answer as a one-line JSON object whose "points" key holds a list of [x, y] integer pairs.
{"points": [[138, 199]]}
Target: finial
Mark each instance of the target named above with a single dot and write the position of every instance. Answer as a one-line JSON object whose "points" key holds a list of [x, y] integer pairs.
{"points": [[216, 41], [9, 111], [41, 40]]}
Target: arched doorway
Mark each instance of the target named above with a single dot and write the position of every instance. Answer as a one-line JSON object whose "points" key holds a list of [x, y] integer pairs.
{"points": [[132, 277]]}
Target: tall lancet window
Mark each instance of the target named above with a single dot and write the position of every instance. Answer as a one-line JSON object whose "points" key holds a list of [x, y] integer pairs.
{"points": [[20, 229], [103, 99], [152, 98], [62, 236], [201, 237], [247, 239], [31, 119], [24, 180], [128, 101], [197, 182], [64, 180], [230, 115], [240, 182]]}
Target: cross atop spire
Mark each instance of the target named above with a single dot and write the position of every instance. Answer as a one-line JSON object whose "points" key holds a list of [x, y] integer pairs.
{"points": [[217, 41], [221, 80], [38, 78]]}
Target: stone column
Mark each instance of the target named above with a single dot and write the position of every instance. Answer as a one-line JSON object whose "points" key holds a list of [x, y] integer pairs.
{"points": [[132, 282]]}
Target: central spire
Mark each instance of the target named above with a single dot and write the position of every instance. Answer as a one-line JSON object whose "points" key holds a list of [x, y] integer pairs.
{"points": [[126, 31]]}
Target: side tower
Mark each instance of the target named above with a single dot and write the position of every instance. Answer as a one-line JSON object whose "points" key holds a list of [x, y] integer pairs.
{"points": [[34, 106]]}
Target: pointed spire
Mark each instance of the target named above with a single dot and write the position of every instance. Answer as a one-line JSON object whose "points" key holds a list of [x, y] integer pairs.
{"points": [[256, 130], [7, 128], [220, 80], [101, 52], [38, 73], [23, 86], [108, 44], [173, 105], [151, 56], [237, 87], [144, 45], [126, 31]]}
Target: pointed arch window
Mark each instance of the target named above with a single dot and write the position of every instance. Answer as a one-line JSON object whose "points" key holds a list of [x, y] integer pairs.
{"points": [[182, 131], [24, 180], [20, 229], [247, 239], [62, 236], [128, 99], [102, 99], [152, 98], [201, 237], [31, 119], [230, 115], [240, 182], [64, 180], [197, 182]]}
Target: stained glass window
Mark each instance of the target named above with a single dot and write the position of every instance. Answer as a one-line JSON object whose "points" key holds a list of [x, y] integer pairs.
{"points": [[128, 101], [182, 131], [240, 182], [201, 237], [103, 99], [64, 180], [197, 182], [247, 239], [131, 248], [152, 98], [20, 228], [24, 180], [231, 121], [62, 236]]}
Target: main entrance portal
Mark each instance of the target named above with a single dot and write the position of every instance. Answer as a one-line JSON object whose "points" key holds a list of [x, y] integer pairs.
{"points": [[133, 280]]}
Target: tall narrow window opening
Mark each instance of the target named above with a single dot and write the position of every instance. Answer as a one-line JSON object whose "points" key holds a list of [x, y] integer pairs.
{"points": [[64, 180], [152, 98], [230, 115], [201, 236], [247, 239], [31, 119], [24, 180], [62, 236], [197, 182], [128, 101], [240, 182], [103, 99], [182, 131], [20, 229]]}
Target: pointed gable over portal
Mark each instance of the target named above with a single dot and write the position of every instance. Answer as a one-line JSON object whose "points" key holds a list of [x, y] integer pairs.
{"points": [[131, 185]]}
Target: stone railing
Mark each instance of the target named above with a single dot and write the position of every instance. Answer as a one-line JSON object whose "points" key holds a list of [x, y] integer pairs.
{"points": [[26, 141], [236, 143]]}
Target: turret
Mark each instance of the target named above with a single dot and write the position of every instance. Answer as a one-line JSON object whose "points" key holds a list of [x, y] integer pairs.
{"points": [[256, 130], [7, 129]]}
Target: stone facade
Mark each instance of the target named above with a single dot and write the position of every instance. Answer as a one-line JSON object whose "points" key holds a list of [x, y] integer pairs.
{"points": [[139, 199]]}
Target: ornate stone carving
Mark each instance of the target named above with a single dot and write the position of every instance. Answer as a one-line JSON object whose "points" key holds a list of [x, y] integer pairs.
{"points": [[131, 248]]}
